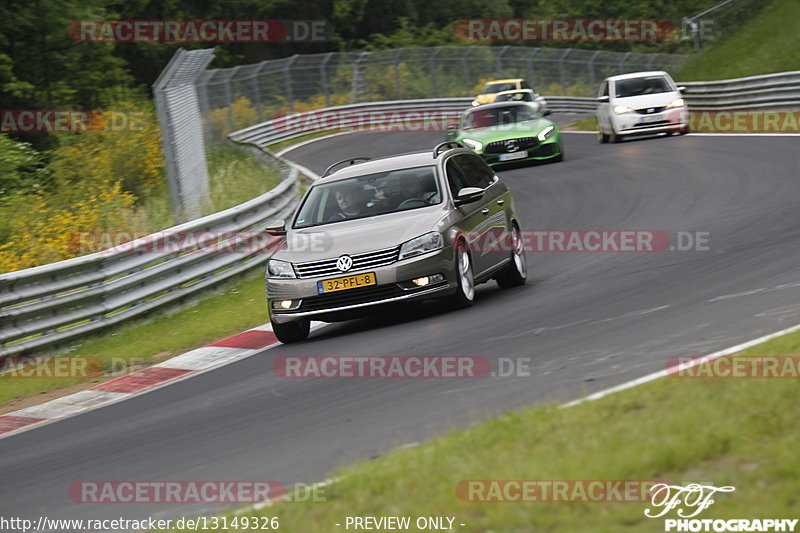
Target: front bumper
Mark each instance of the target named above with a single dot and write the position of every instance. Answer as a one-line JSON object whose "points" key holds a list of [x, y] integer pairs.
{"points": [[636, 124], [548, 149], [393, 285]]}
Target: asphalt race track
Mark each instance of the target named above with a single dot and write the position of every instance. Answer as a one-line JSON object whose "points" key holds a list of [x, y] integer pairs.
{"points": [[587, 321]]}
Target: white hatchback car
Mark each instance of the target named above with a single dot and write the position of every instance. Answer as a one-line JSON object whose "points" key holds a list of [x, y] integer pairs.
{"points": [[640, 103]]}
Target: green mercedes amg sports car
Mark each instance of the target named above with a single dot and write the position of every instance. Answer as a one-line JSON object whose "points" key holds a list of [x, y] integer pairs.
{"points": [[508, 131]]}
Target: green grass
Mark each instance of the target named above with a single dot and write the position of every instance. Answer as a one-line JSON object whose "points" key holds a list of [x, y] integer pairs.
{"points": [[742, 433], [764, 45], [584, 124], [240, 304], [236, 176]]}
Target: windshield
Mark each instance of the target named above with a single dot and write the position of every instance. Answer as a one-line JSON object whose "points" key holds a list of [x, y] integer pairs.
{"points": [[497, 87], [521, 96], [496, 116], [369, 196], [640, 86]]}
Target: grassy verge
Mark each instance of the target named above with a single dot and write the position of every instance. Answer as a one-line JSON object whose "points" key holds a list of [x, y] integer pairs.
{"points": [[742, 433], [763, 45], [584, 124], [236, 176], [238, 305]]}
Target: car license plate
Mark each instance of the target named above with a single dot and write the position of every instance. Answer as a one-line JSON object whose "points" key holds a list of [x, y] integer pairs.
{"points": [[346, 282], [650, 118], [512, 156]]}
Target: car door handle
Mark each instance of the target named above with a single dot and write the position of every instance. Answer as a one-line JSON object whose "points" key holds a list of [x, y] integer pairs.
{"points": [[485, 210], [501, 202]]}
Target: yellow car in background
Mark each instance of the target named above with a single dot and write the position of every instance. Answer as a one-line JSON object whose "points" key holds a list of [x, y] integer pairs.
{"points": [[491, 89]]}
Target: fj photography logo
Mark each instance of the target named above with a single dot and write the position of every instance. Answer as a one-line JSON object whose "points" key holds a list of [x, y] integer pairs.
{"points": [[69, 121], [400, 367], [200, 31], [687, 502]]}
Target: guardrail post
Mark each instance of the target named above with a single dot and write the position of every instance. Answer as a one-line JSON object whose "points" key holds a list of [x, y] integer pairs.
{"points": [[561, 72], [287, 78], [529, 64], [591, 67], [257, 91], [622, 62], [323, 74], [396, 65], [465, 66], [433, 71]]}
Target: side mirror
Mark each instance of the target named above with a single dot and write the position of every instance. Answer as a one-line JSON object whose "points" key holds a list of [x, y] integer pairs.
{"points": [[276, 228], [602, 98], [467, 195], [681, 88]]}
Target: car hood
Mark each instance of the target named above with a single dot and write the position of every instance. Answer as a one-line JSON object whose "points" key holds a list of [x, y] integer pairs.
{"points": [[360, 235], [486, 98], [648, 100], [507, 131]]}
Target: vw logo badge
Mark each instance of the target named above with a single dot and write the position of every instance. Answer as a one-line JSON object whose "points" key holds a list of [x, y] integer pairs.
{"points": [[512, 145], [344, 263]]}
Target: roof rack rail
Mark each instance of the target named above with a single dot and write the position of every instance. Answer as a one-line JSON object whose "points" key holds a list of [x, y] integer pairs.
{"points": [[445, 146], [352, 161]]}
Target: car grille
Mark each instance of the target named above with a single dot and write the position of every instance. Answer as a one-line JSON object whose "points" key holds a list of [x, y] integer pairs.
{"points": [[355, 297], [650, 110], [367, 260], [523, 143]]}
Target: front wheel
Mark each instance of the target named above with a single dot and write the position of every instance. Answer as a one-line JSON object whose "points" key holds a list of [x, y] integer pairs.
{"points": [[465, 294], [602, 137], [516, 272], [292, 331]]}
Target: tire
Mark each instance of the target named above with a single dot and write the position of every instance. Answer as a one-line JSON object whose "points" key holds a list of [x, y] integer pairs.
{"points": [[684, 130], [614, 137], [516, 272], [465, 293], [292, 331], [602, 137]]}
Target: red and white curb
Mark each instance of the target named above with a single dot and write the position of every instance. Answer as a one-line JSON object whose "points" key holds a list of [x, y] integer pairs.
{"points": [[220, 353]]}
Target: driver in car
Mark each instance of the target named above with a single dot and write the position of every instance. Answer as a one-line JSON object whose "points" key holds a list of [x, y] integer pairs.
{"points": [[411, 189], [349, 201]]}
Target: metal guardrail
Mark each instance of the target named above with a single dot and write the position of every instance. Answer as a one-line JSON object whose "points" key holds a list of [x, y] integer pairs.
{"points": [[51, 304], [769, 91], [48, 305], [351, 116]]}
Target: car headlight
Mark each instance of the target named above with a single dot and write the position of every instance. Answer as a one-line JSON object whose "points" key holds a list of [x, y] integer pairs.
{"points": [[475, 145], [622, 109], [546, 133], [475, 103], [430, 242], [678, 102], [280, 269]]}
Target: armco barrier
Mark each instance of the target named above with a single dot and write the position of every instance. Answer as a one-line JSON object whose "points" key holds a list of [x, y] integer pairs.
{"points": [[51, 304], [281, 129], [48, 305]]}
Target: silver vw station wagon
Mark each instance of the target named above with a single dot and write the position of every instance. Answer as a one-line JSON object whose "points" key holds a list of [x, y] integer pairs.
{"points": [[400, 228]]}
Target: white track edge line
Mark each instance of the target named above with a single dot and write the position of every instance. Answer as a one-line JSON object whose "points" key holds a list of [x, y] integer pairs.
{"points": [[663, 373]]}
